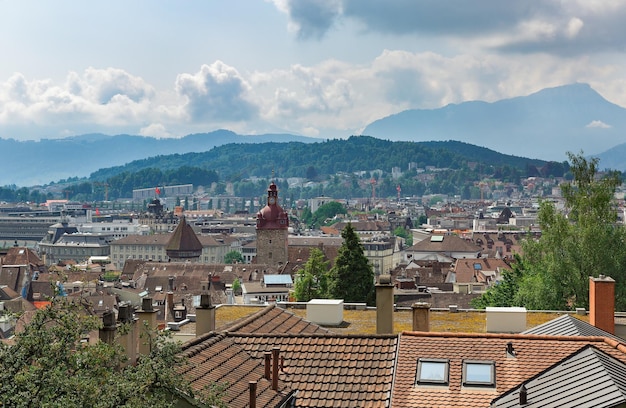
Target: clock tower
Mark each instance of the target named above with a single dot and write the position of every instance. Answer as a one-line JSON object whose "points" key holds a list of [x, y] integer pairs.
{"points": [[272, 223]]}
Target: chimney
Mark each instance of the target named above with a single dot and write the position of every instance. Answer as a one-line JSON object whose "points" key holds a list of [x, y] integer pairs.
{"points": [[147, 323], [602, 303], [169, 306], [275, 352], [421, 316], [205, 315], [127, 338], [252, 394], [268, 362], [384, 305], [107, 332]]}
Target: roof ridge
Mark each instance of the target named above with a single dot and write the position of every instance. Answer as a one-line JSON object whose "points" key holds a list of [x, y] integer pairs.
{"points": [[509, 336], [194, 346], [315, 335]]}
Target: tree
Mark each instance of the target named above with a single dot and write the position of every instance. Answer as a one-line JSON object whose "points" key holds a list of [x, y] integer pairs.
{"points": [[554, 270], [352, 276], [403, 233], [326, 211], [236, 286], [232, 257], [48, 365], [312, 280]]}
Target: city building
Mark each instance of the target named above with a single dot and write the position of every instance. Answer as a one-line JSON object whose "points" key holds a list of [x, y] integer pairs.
{"points": [[272, 226]]}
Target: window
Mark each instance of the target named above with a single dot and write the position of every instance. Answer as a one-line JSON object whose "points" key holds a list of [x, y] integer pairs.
{"points": [[479, 373], [432, 371]]}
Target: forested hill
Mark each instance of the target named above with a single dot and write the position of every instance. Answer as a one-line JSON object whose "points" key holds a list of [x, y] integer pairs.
{"points": [[357, 153]]}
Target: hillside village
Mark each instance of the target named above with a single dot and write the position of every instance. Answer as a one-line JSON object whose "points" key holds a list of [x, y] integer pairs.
{"points": [[241, 324]]}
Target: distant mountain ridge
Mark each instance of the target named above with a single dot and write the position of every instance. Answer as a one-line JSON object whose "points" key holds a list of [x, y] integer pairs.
{"points": [[29, 163], [544, 125], [328, 157]]}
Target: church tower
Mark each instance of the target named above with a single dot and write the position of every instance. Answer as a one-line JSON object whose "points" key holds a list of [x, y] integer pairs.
{"points": [[272, 223]]}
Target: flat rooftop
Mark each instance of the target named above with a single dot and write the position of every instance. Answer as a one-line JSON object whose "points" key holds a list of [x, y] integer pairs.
{"points": [[364, 321]]}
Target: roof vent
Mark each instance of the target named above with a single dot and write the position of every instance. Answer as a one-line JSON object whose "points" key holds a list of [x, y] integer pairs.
{"points": [[523, 395], [510, 351]]}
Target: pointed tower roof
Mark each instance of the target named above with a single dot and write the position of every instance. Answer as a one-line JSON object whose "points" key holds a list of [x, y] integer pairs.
{"points": [[184, 243]]}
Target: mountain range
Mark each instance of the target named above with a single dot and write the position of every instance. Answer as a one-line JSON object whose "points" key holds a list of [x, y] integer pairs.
{"points": [[544, 125]]}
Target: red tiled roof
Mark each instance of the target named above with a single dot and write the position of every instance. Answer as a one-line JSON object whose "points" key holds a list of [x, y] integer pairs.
{"points": [[274, 320], [450, 243], [323, 368], [218, 359], [534, 354], [465, 268], [330, 370]]}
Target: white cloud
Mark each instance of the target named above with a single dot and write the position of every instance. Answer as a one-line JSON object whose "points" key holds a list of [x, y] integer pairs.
{"points": [[216, 92], [157, 130], [598, 124], [574, 26]]}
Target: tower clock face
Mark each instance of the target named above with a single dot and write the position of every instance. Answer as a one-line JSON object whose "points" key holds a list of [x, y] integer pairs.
{"points": [[272, 200]]}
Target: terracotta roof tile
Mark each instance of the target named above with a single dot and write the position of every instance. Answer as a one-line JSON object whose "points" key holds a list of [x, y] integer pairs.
{"points": [[328, 369], [272, 319], [217, 359], [534, 353]]}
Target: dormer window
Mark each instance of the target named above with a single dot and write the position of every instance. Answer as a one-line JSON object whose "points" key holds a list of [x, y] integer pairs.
{"points": [[479, 373], [432, 371]]}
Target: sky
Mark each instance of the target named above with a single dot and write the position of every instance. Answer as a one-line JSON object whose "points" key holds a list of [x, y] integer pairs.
{"points": [[320, 68]]}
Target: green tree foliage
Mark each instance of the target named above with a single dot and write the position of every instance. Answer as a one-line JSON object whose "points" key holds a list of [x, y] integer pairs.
{"points": [[237, 286], [232, 257], [402, 232], [319, 161], [49, 366], [312, 280], [325, 212], [505, 293], [352, 276], [585, 241]]}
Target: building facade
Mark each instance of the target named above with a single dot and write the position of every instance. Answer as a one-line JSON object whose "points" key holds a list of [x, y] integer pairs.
{"points": [[154, 247]]}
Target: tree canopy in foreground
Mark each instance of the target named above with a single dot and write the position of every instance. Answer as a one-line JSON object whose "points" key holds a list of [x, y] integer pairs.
{"points": [[48, 365]]}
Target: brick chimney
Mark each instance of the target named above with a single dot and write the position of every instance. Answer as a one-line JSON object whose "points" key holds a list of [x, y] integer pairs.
{"points": [[384, 305], [252, 388], [128, 338], [205, 315], [602, 303], [147, 324], [109, 327], [275, 354], [421, 316]]}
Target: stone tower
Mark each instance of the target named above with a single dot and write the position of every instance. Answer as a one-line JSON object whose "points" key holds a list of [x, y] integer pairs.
{"points": [[272, 223], [184, 244]]}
